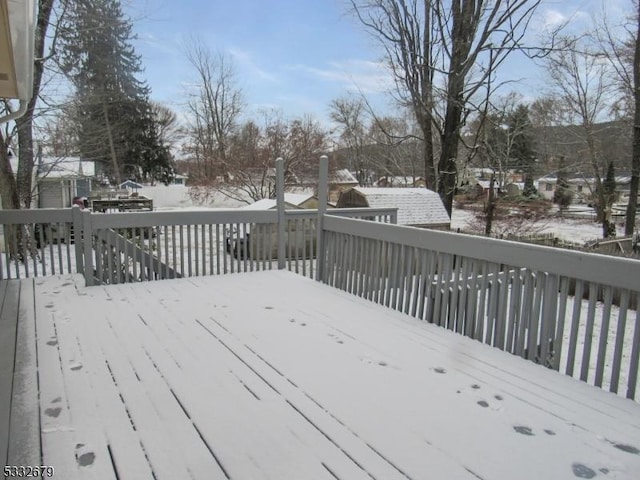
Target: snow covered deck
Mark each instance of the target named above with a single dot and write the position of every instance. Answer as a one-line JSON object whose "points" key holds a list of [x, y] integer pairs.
{"points": [[272, 375]]}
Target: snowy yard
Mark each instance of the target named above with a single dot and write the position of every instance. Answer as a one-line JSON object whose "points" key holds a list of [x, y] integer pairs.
{"points": [[573, 230]]}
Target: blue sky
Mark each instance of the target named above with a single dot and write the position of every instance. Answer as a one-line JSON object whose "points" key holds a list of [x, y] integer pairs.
{"points": [[295, 55]]}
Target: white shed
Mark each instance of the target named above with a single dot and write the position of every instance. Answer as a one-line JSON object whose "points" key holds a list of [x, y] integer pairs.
{"points": [[417, 207]]}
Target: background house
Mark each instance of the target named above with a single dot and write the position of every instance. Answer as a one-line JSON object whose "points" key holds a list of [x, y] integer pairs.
{"points": [[417, 207], [179, 179], [58, 180], [340, 181], [401, 182]]}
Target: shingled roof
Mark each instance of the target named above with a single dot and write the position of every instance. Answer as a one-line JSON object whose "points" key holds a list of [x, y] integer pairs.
{"points": [[416, 206]]}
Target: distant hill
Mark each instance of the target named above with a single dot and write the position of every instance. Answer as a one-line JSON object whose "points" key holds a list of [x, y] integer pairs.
{"points": [[613, 142]]}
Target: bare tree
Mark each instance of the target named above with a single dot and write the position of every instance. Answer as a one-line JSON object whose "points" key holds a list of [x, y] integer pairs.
{"points": [[16, 191], [581, 77], [634, 187], [620, 45], [169, 131], [398, 150], [351, 116], [214, 108], [253, 147], [454, 43]]}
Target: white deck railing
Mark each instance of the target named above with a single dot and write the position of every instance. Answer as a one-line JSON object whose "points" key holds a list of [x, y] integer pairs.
{"points": [[571, 311], [129, 247], [41, 242]]}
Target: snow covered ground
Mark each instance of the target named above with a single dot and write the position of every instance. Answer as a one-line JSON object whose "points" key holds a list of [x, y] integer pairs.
{"points": [[578, 230], [175, 197], [575, 230]]}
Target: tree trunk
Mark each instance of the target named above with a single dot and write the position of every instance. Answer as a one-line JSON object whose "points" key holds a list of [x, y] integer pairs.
{"points": [[426, 120], [8, 187], [491, 206], [632, 206], [114, 158], [426, 127], [447, 167], [24, 177], [24, 183]]}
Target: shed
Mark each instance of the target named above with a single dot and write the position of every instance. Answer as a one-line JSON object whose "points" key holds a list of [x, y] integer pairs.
{"points": [[339, 181], [300, 234], [59, 180], [179, 179], [417, 207], [291, 200], [130, 185]]}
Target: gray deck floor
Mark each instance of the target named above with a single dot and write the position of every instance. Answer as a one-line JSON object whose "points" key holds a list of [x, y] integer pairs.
{"points": [[271, 375]]}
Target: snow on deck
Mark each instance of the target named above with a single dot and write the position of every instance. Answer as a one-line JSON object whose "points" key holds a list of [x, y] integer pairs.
{"points": [[271, 375]]}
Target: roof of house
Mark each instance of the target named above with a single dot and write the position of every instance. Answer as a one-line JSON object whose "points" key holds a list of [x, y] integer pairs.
{"points": [[291, 199], [579, 180], [401, 180], [66, 167], [343, 176], [416, 206], [130, 184]]}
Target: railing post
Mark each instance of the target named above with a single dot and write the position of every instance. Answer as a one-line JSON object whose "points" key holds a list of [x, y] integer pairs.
{"points": [[280, 206], [76, 219], [87, 247], [322, 209]]}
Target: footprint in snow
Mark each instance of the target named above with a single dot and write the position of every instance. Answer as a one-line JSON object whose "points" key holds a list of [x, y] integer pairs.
{"points": [[84, 459], [524, 430], [582, 471], [76, 366], [52, 412]]}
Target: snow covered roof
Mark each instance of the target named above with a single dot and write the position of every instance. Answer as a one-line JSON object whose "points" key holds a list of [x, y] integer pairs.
{"points": [[343, 176], [416, 206], [130, 184], [400, 180], [65, 167], [292, 199]]}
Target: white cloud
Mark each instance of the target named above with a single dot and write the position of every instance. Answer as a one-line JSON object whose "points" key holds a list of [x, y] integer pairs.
{"points": [[553, 18], [244, 60], [355, 75]]}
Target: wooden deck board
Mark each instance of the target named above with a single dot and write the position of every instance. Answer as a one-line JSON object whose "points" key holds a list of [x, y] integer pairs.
{"points": [[9, 300], [24, 430], [270, 375]]}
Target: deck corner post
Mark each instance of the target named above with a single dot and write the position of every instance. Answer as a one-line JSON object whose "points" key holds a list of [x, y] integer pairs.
{"points": [[323, 195], [87, 247], [76, 219], [280, 207]]}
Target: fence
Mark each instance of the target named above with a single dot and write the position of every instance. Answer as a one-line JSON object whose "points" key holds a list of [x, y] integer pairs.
{"points": [[40, 242], [570, 311], [142, 246]]}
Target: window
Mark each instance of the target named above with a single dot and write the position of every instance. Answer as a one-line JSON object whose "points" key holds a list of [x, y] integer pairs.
{"points": [[579, 188], [548, 187]]}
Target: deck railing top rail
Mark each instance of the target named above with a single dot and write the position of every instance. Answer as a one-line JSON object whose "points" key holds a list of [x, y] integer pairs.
{"points": [[607, 270]]}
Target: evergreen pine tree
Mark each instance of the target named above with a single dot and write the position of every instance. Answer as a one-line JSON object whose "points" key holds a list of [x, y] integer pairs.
{"points": [[523, 152], [563, 195], [609, 188], [609, 184], [114, 120]]}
